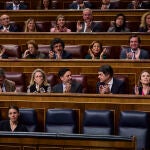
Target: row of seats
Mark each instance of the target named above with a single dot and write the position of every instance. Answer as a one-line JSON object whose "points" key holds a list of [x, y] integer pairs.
{"points": [[55, 4], [78, 51], [95, 122], [44, 26], [20, 81]]}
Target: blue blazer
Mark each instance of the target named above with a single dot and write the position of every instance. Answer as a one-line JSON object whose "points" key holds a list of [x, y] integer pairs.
{"points": [[75, 88], [143, 54], [21, 7], [118, 87]]}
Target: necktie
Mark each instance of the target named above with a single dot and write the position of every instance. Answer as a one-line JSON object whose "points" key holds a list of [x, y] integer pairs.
{"points": [[133, 55], [88, 29]]}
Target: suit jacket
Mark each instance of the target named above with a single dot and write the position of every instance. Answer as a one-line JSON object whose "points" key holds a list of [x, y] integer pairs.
{"points": [[95, 27], [75, 88], [113, 6], [142, 29], [21, 6], [113, 29], [118, 87], [12, 28], [65, 55], [140, 90], [143, 54], [143, 6], [32, 89], [75, 5], [9, 85], [5, 126]]}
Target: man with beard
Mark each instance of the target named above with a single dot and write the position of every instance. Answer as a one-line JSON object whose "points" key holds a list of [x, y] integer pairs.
{"points": [[67, 85], [57, 50]]}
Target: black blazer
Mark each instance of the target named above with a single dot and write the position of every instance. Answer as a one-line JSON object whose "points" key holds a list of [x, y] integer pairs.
{"points": [[32, 89], [5, 126], [75, 5], [12, 28], [21, 7], [140, 90], [75, 88], [65, 55], [95, 27], [118, 87]]}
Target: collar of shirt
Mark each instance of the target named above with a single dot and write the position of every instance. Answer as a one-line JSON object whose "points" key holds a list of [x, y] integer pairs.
{"points": [[78, 7], [3, 88], [134, 51], [85, 26], [15, 7], [110, 83], [108, 6], [6, 28], [64, 87]]}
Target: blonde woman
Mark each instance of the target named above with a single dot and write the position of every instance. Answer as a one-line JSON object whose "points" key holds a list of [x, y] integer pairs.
{"points": [[60, 25], [38, 82], [145, 23], [96, 51], [30, 25]]}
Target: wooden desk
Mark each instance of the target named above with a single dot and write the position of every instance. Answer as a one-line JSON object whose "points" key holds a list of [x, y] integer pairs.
{"points": [[72, 15], [111, 39], [47, 141]]}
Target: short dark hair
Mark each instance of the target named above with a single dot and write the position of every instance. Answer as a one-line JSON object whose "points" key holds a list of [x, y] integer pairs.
{"points": [[56, 41], [62, 72], [2, 73], [13, 107], [134, 35], [124, 19], [107, 70]]}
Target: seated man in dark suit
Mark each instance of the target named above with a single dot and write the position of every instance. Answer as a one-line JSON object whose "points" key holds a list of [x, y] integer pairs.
{"points": [[134, 51], [16, 5], [107, 83], [138, 4], [6, 85], [88, 25], [67, 85], [80, 4], [6, 26], [106, 4], [57, 50]]}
